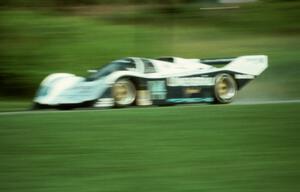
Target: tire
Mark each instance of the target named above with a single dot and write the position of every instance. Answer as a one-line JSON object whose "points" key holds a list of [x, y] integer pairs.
{"points": [[124, 93], [35, 106], [65, 107], [225, 88]]}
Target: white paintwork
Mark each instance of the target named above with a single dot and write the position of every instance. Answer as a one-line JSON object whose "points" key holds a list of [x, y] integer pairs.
{"points": [[190, 81], [238, 76], [70, 89], [180, 65], [251, 65], [48, 80], [64, 88]]}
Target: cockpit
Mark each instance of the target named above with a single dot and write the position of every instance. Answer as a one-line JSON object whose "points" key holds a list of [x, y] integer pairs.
{"points": [[139, 65], [117, 65]]}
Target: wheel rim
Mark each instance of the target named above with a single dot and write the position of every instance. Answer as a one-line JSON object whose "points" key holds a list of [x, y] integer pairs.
{"points": [[225, 88], [124, 92]]}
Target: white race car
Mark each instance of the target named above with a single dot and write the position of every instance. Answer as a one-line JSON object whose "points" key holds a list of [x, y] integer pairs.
{"points": [[142, 82]]}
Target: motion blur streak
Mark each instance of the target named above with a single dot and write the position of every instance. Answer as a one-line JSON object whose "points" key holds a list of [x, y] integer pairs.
{"points": [[29, 112]]}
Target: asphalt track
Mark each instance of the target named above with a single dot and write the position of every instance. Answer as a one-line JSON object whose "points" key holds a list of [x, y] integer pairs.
{"points": [[243, 102]]}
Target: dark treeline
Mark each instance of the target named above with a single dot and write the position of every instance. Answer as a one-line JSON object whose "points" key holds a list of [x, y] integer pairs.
{"points": [[28, 3], [33, 3]]}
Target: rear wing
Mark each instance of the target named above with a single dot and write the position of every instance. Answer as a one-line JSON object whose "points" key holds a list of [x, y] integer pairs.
{"points": [[252, 64], [217, 61], [210, 61]]}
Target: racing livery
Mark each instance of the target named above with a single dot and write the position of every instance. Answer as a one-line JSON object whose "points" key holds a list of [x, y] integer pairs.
{"points": [[143, 82]]}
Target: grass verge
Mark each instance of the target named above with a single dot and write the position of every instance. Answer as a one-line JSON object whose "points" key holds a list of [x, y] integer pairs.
{"points": [[193, 148]]}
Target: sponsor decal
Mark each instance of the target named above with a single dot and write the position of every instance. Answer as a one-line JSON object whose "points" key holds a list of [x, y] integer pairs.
{"points": [[190, 81], [237, 76], [190, 100], [192, 90], [157, 89]]}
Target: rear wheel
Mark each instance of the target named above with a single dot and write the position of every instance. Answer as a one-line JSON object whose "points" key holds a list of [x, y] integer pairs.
{"points": [[225, 88], [124, 93]]}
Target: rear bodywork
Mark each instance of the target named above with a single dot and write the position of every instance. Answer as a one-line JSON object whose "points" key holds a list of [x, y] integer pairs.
{"points": [[162, 81]]}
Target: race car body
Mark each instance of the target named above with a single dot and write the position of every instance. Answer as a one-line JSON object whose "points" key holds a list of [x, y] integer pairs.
{"points": [[161, 81]]}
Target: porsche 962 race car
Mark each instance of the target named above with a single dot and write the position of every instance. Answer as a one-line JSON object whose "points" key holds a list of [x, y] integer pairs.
{"points": [[161, 81]]}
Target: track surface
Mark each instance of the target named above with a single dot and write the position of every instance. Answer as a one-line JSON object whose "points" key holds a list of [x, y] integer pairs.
{"points": [[152, 107]]}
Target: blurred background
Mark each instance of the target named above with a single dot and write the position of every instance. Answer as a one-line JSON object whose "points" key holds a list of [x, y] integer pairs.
{"points": [[39, 37]]}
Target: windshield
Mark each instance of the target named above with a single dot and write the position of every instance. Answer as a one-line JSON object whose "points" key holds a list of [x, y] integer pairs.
{"points": [[118, 65]]}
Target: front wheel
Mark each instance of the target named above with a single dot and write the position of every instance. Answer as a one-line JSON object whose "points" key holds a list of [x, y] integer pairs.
{"points": [[225, 88], [124, 93], [35, 106]]}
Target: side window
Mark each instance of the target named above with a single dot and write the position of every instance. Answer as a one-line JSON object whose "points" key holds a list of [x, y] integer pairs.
{"points": [[127, 65], [148, 66], [130, 67]]}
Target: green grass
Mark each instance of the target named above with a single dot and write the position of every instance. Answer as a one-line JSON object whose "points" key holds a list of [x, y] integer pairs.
{"points": [[14, 105], [191, 148]]}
